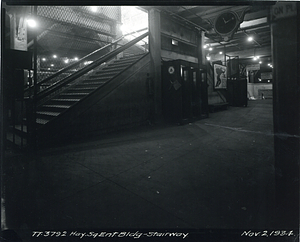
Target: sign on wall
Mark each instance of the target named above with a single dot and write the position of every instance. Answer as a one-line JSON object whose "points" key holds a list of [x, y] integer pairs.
{"points": [[284, 10], [220, 77], [18, 32]]}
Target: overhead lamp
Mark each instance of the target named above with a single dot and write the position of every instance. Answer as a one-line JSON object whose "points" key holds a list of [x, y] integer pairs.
{"points": [[94, 9], [54, 56], [66, 61], [76, 58], [205, 46], [220, 52], [250, 38], [208, 57], [43, 59], [260, 62], [210, 48], [31, 23], [52, 65]]}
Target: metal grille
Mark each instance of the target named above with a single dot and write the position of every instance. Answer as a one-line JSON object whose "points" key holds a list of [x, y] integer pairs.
{"points": [[67, 33]]}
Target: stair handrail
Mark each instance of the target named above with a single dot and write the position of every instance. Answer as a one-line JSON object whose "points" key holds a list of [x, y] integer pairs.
{"points": [[83, 59], [89, 67]]}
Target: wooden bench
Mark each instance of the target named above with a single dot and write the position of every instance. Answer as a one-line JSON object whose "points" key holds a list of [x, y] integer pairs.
{"points": [[217, 106]]}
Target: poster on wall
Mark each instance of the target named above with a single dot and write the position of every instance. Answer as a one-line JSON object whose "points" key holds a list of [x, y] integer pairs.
{"points": [[220, 76]]}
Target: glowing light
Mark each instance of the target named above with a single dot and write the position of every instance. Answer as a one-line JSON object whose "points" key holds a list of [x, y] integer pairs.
{"points": [[210, 49], [66, 61], [43, 59], [52, 65], [76, 58], [220, 52], [208, 57], [94, 8], [54, 56], [31, 23], [260, 62], [250, 38], [205, 46]]}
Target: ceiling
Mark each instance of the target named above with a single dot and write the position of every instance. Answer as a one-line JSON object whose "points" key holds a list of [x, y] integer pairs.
{"points": [[255, 23]]}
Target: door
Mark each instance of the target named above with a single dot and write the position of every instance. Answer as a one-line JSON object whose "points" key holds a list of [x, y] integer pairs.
{"points": [[186, 78]]}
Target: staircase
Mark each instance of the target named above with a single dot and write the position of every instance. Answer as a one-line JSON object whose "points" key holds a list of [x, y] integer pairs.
{"points": [[75, 93], [69, 94]]}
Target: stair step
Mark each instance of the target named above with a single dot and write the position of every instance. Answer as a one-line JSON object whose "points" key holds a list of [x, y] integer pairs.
{"points": [[73, 95], [87, 90], [65, 100], [97, 78], [137, 56], [124, 62], [53, 114], [41, 121], [56, 106], [106, 74], [81, 88], [90, 82], [115, 67]]}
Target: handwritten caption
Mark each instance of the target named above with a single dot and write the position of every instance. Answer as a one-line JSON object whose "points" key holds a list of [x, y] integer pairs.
{"points": [[266, 233], [93, 235]]}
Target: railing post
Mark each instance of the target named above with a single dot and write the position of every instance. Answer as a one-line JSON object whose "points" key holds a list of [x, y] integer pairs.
{"points": [[31, 123]]}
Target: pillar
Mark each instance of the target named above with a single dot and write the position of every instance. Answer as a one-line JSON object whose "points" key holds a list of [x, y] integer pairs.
{"points": [[155, 54], [201, 51], [286, 112]]}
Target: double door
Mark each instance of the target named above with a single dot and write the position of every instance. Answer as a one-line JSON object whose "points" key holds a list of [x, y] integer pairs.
{"points": [[186, 98]]}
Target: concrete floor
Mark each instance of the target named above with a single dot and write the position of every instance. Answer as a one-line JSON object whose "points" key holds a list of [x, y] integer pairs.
{"points": [[215, 173]]}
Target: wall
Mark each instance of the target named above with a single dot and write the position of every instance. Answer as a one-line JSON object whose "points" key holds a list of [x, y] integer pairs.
{"points": [[177, 41], [253, 90]]}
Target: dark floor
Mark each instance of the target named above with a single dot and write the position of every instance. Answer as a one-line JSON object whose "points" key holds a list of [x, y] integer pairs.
{"points": [[214, 173]]}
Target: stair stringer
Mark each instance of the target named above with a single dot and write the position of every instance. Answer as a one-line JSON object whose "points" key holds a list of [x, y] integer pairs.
{"points": [[76, 120]]}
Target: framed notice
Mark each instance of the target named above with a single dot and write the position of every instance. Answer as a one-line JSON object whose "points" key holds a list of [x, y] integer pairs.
{"points": [[220, 76]]}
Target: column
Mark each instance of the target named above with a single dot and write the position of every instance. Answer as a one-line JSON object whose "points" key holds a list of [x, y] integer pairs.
{"points": [[155, 53], [286, 112]]}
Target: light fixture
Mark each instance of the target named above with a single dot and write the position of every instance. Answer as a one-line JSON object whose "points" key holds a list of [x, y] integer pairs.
{"points": [[66, 61], [205, 46], [52, 65], [210, 48], [250, 38], [31, 23], [54, 56], [43, 59], [76, 58], [174, 42], [260, 62], [94, 9], [220, 52], [208, 57]]}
